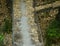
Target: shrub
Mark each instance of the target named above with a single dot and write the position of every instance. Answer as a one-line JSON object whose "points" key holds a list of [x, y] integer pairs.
{"points": [[53, 32]]}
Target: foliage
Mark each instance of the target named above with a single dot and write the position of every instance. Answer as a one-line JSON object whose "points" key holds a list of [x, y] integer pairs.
{"points": [[8, 25], [53, 32], [1, 39]]}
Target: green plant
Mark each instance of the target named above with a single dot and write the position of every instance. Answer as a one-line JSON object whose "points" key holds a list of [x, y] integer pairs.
{"points": [[8, 25], [1, 39], [53, 32]]}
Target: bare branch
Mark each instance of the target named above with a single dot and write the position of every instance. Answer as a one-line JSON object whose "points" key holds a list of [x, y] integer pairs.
{"points": [[53, 5]]}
